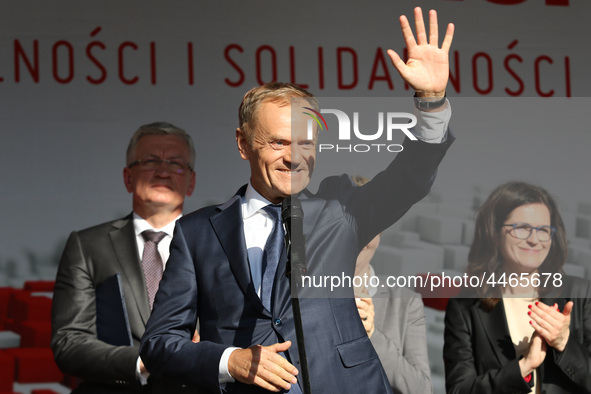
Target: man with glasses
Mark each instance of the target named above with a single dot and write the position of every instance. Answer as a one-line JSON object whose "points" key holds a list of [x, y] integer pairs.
{"points": [[159, 174]]}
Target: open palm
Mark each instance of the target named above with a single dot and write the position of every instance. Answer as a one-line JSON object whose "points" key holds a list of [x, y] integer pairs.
{"points": [[427, 68]]}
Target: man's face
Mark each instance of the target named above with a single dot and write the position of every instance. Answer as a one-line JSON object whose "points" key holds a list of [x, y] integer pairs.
{"points": [[281, 157], [160, 187]]}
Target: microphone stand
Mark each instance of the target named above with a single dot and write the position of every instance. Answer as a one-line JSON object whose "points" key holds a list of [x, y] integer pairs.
{"points": [[293, 215]]}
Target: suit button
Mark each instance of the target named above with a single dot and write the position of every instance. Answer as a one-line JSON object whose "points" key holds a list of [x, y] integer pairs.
{"points": [[277, 322]]}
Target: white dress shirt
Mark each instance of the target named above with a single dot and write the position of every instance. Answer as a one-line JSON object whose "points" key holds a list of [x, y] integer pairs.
{"points": [[140, 225], [258, 225]]}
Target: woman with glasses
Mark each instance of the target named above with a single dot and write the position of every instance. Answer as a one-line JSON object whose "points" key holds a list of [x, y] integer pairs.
{"points": [[527, 326]]}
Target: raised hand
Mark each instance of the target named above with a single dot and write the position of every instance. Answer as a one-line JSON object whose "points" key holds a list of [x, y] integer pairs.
{"points": [[427, 68], [551, 324], [263, 366]]}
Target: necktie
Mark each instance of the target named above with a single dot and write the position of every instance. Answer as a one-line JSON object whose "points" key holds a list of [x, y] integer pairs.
{"points": [[271, 255], [152, 262]]}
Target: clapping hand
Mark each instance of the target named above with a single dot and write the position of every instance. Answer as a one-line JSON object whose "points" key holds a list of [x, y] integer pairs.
{"points": [[551, 324]]}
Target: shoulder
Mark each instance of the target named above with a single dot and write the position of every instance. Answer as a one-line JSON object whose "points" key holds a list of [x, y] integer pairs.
{"points": [[200, 214], [462, 305], [460, 315], [334, 187], [405, 296], [98, 243], [205, 214], [398, 302], [104, 228], [575, 287]]}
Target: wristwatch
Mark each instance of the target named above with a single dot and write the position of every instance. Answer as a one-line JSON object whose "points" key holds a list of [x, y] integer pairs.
{"points": [[429, 102]]}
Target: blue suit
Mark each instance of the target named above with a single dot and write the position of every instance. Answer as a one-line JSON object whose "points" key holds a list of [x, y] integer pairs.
{"points": [[208, 277]]}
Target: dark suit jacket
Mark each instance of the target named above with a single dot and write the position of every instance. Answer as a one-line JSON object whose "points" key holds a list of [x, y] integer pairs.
{"points": [[480, 356], [208, 276], [90, 257]]}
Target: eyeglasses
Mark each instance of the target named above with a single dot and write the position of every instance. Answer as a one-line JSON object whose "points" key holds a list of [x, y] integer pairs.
{"points": [[154, 163], [524, 230]]}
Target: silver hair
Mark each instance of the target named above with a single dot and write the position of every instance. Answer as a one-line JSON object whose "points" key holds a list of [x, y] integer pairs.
{"points": [[159, 128]]}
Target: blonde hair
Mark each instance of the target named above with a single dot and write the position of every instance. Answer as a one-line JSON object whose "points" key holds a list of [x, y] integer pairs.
{"points": [[274, 92]]}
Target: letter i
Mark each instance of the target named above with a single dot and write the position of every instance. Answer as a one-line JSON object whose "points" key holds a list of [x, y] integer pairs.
{"points": [[190, 65]]}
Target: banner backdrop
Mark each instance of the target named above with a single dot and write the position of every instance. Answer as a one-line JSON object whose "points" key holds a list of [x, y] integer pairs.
{"points": [[78, 77]]}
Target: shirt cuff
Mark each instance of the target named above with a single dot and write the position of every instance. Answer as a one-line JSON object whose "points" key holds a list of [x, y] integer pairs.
{"points": [[224, 374], [432, 126], [141, 377]]}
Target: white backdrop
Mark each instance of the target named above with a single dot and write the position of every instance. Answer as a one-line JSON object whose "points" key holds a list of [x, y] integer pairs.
{"points": [[78, 77]]}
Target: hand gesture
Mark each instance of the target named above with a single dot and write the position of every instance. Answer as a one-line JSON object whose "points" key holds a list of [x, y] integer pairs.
{"points": [[551, 324], [366, 313], [536, 353], [427, 68], [263, 366]]}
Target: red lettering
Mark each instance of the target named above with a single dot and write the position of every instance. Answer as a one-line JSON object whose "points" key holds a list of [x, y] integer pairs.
{"points": [[515, 76], [506, 2], [341, 84], [190, 65], [512, 72], [379, 60], [455, 80], [94, 60], [153, 63], [405, 58], [240, 80], [122, 77], [320, 68], [514, 2], [567, 75], [537, 75], [486, 57], [70, 51], [19, 52]]}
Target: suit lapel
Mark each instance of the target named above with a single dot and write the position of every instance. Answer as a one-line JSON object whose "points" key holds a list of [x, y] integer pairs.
{"points": [[229, 229], [282, 287], [228, 226], [125, 247], [494, 324]]}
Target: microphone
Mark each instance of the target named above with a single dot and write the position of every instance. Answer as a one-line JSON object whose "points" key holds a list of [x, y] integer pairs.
{"points": [[292, 215]]}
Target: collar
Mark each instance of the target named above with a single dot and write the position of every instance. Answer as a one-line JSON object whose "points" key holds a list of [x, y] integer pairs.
{"points": [[140, 225], [252, 202]]}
